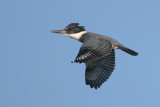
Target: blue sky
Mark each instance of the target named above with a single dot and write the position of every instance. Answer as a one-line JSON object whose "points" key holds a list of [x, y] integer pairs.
{"points": [[35, 68]]}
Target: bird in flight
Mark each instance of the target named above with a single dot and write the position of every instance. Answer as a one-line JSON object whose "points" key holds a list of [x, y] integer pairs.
{"points": [[97, 52]]}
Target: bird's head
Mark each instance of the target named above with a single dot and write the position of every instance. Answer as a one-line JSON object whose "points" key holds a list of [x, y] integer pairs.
{"points": [[72, 30]]}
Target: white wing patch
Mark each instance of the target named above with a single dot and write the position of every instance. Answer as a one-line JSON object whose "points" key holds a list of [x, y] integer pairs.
{"points": [[86, 55]]}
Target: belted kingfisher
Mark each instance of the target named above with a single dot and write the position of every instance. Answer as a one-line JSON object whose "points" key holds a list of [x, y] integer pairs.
{"points": [[97, 52]]}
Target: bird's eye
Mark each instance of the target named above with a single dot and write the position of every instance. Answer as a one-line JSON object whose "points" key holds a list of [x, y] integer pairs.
{"points": [[69, 29]]}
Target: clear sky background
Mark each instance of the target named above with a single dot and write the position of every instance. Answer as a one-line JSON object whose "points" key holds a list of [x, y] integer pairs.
{"points": [[36, 68]]}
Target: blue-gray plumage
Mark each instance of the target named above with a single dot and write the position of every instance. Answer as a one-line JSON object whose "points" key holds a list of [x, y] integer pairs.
{"points": [[97, 52]]}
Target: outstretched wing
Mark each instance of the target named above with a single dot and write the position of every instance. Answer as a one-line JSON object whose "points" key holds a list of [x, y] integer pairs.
{"points": [[93, 48], [98, 71]]}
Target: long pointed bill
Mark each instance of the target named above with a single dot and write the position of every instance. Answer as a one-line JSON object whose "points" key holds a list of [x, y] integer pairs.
{"points": [[58, 31]]}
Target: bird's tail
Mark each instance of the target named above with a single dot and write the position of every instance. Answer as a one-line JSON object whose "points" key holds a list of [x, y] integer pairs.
{"points": [[129, 51]]}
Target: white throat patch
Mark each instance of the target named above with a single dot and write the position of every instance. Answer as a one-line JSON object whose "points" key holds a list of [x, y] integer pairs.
{"points": [[76, 36]]}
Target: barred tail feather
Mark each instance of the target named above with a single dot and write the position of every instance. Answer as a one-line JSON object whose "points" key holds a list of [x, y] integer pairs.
{"points": [[129, 51]]}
